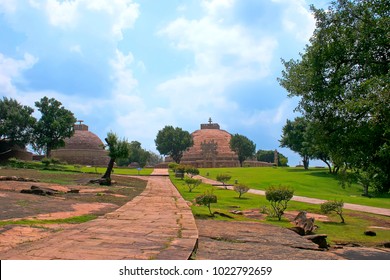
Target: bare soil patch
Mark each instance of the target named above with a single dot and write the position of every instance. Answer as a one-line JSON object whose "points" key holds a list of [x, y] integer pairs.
{"points": [[89, 200]]}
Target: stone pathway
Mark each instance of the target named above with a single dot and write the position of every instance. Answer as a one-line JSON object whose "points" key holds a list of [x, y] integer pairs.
{"points": [[350, 206], [158, 224]]}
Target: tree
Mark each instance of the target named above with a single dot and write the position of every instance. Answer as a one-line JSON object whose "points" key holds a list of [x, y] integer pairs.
{"points": [[342, 78], [56, 124], [206, 200], [192, 183], [136, 154], [116, 149], [16, 123], [268, 156], [173, 142], [243, 147], [294, 138]]}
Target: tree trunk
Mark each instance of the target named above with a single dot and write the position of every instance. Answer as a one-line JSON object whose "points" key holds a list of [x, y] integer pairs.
{"points": [[107, 174], [328, 164], [48, 152], [306, 162]]}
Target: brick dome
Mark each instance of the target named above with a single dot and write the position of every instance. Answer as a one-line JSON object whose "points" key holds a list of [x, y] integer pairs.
{"points": [[84, 148], [211, 148]]}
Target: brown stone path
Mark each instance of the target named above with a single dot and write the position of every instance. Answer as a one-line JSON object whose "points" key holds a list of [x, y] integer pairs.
{"points": [[350, 206], [158, 224]]}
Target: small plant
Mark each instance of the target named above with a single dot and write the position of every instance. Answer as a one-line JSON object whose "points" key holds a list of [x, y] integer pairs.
{"points": [[333, 206], [206, 200], [223, 178], [264, 209], [173, 166], [279, 196], [192, 183], [191, 171], [241, 189]]}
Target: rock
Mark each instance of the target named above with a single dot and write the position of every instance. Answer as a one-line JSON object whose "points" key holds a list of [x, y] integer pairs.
{"points": [[386, 245], [38, 190], [298, 230], [319, 239], [307, 224], [237, 212], [370, 233]]}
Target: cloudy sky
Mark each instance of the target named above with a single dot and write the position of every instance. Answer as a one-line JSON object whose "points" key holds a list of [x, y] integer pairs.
{"points": [[134, 66]]}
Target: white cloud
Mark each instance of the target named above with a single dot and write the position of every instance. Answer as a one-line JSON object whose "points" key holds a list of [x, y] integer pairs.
{"points": [[297, 19], [117, 14], [8, 6], [11, 70]]}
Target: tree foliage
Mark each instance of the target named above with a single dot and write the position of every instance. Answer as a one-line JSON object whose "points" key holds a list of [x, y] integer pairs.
{"points": [[243, 147], [136, 154], [240, 189], [16, 123], [56, 124], [269, 156], [173, 142], [343, 81]]}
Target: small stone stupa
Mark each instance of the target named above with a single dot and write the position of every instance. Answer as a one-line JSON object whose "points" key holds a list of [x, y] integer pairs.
{"points": [[84, 148]]}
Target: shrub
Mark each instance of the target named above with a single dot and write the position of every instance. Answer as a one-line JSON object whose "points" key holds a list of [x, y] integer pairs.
{"points": [[173, 166], [223, 178], [191, 170], [192, 183], [241, 189], [279, 196], [206, 200], [333, 206]]}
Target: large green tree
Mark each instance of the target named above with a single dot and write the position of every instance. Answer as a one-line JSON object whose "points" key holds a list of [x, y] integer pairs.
{"points": [[343, 81], [56, 124], [243, 147], [16, 123], [269, 156], [173, 142], [136, 154]]}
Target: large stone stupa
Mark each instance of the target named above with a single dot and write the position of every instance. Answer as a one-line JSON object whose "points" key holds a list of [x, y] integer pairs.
{"points": [[211, 148], [84, 148]]}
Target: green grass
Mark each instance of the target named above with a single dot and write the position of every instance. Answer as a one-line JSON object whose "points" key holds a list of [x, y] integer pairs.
{"points": [[315, 183], [350, 232], [72, 220], [118, 170]]}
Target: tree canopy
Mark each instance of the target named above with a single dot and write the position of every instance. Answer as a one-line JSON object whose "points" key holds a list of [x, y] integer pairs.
{"points": [[243, 147], [173, 142], [16, 123], [269, 156], [56, 124], [343, 81]]}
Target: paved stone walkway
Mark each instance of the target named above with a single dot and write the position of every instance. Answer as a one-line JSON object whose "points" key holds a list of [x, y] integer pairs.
{"points": [[350, 206], [158, 224]]}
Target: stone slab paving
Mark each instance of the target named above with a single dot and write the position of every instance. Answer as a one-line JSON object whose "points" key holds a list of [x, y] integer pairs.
{"points": [[350, 206], [157, 224]]}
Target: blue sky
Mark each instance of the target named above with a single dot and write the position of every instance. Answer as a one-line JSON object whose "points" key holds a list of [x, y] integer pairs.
{"points": [[134, 66]]}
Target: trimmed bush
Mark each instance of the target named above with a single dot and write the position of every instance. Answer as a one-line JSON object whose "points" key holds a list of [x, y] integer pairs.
{"points": [[206, 200], [333, 206], [223, 178], [279, 196], [192, 183], [241, 189]]}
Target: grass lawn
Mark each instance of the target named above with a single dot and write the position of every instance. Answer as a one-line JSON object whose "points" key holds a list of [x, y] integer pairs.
{"points": [[315, 183], [350, 232]]}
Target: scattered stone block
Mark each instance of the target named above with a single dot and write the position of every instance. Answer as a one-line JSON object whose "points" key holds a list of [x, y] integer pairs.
{"points": [[319, 239], [370, 233], [307, 224]]}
